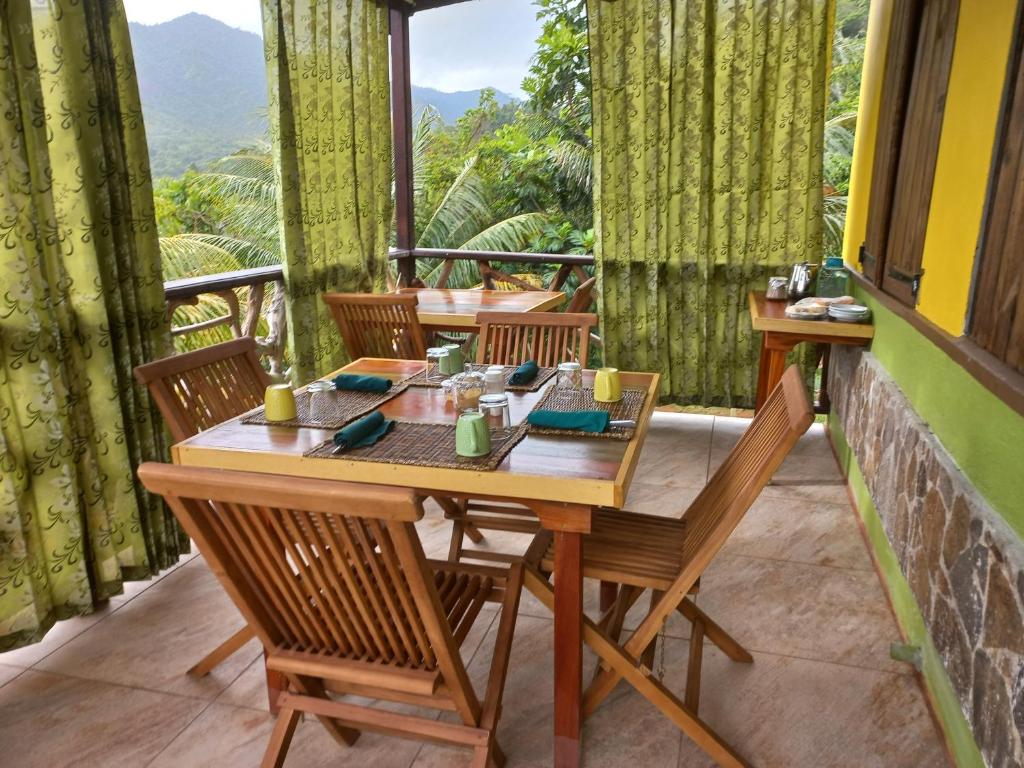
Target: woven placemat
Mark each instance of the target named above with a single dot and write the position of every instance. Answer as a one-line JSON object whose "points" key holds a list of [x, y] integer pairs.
{"points": [[424, 445], [543, 374], [629, 407], [343, 407]]}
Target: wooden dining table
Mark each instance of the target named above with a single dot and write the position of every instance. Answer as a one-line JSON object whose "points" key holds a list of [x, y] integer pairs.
{"points": [[561, 479], [455, 309]]}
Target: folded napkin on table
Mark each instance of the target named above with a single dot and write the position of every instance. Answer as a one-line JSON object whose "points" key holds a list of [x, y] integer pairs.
{"points": [[585, 421], [525, 373], [366, 431], [353, 382]]}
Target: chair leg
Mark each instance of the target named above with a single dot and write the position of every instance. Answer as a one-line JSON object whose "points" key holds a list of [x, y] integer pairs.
{"points": [[715, 633], [281, 738], [649, 687], [617, 617], [647, 657], [221, 652], [692, 696], [309, 686], [609, 593]]}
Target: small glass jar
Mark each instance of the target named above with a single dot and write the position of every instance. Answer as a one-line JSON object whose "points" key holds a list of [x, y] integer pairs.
{"points": [[320, 394], [468, 386], [833, 279], [494, 380], [570, 379], [436, 359], [495, 410]]}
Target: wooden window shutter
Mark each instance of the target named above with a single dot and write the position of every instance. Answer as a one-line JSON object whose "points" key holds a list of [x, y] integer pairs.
{"points": [[997, 309], [919, 149], [915, 82], [899, 61]]}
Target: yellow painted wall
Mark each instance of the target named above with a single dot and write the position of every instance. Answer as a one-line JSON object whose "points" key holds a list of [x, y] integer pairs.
{"points": [[879, 19], [983, 35]]}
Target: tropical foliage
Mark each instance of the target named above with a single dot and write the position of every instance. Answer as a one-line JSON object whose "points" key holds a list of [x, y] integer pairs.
{"points": [[502, 177]]}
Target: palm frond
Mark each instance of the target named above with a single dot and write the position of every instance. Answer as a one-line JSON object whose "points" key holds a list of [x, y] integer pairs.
{"points": [[512, 234], [194, 254], [575, 162], [464, 207]]}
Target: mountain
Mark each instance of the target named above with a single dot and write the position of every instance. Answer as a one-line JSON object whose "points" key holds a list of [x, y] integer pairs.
{"points": [[204, 91], [451, 106]]}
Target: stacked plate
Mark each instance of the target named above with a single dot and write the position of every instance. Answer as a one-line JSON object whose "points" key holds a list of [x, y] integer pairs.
{"points": [[849, 313]]}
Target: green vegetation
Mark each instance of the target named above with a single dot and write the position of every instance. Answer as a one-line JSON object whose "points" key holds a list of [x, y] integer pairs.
{"points": [[504, 176]]}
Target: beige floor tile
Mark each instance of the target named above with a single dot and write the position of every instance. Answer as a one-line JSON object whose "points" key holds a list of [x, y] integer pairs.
{"points": [[655, 499], [626, 731], [159, 635], [61, 633], [8, 673], [810, 472], [50, 720], [676, 454], [802, 532], [781, 711], [815, 612], [226, 736]]}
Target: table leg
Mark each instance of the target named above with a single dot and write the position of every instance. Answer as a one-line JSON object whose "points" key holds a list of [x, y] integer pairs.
{"points": [[568, 648], [772, 364]]}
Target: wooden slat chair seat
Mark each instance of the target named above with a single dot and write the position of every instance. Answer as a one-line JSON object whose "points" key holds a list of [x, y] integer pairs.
{"points": [[640, 552], [333, 580], [511, 338], [198, 390], [378, 325]]}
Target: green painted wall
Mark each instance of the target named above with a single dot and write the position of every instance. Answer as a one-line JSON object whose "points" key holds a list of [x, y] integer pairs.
{"points": [[944, 701], [984, 436]]}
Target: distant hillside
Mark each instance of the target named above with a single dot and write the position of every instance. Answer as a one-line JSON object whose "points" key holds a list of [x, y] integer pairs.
{"points": [[451, 106], [204, 91]]}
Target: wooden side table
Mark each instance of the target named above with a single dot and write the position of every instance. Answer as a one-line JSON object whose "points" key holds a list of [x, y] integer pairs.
{"points": [[780, 334]]}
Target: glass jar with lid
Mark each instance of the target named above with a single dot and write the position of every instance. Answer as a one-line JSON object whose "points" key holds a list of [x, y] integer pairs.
{"points": [[833, 279]]}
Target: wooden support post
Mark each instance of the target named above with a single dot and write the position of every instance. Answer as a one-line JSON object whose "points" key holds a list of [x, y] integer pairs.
{"points": [[401, 124]]}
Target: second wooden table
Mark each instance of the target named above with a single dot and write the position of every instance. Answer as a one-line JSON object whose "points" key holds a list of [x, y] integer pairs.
{"points": [[454, 309]]}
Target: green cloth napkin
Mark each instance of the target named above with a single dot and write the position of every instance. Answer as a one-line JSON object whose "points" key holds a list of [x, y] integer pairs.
{"points": [[525, 373], [353, 382], [366, 431], [585, 421]]}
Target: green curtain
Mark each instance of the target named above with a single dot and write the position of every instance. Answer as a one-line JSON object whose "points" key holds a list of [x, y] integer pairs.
{"points": [[708, 133], [81, 303], [330, 119]]}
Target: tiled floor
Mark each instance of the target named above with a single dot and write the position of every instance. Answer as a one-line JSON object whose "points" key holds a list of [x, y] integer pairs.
{"points": [[794, 584]]}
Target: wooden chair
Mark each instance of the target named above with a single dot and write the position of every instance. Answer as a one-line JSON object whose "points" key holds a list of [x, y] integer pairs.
{"points": [[195, 391], [668, 555], [378, 325], [583, 298], [333, 579], [510, 338], [550, 338]]}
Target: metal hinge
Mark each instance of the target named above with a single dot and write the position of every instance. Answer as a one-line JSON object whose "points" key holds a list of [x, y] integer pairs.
{"points": [[914, 280], [860, 254]]}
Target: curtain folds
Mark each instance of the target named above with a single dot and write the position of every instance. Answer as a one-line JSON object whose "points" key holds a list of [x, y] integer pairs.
{"points": [[330, 118], [708, 144], [81, 303]]}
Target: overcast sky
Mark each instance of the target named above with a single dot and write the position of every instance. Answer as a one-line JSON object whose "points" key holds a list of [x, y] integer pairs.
{"points": [[459, 47]]}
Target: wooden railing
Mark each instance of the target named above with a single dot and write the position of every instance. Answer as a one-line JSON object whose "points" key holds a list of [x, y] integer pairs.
{"points": [[489, 275], [187, 291]]}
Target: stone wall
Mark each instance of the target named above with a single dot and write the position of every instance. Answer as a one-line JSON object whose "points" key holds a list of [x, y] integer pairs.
{"points": [[963, 563]]}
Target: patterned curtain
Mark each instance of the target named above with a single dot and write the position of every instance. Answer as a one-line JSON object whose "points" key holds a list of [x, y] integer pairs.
{"points": [[81, 303], [330, 117], [708, 133]]}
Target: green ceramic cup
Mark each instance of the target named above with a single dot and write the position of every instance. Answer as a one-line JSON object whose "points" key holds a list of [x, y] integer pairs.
{"points": [[472, 435], [454, 362]]}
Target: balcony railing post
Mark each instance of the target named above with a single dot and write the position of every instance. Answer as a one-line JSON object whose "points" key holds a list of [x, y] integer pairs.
{"points": [[401, 120]]}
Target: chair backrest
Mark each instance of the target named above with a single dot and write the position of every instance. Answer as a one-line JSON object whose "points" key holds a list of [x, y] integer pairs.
{"points": [[583, 297], [324, 572], [378, 325], [736, 484], [549, 338], [198, 390]]}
